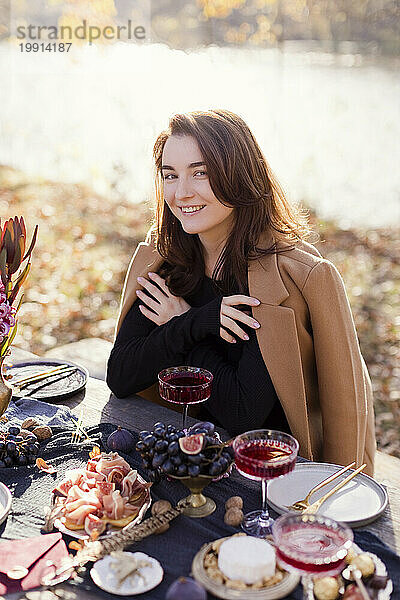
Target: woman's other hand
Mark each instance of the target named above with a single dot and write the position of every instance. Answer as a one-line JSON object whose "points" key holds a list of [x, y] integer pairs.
{"points": [[165, 305], [230, 315]]}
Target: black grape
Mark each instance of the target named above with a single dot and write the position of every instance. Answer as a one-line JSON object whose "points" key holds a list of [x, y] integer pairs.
{"points": [[193, 470], [173, 448], [181, 471], [161, 445], [168, 467], [158, 460]]}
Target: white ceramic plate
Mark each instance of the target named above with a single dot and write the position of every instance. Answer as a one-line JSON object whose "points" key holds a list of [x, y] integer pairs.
{"points": [[5, 502], [358, 503], [104, 577], [80, 534]]}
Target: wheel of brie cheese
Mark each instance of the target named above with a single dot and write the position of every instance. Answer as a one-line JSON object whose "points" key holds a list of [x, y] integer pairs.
{"points": [[246, 558]]}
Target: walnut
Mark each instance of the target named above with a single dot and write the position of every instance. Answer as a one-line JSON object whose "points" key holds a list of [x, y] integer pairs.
{"points": [[30, 423], [215, 574], [234, 502], [258, 585], [25, 433], [43, 432], [274, 579], [233, 517], [236, 584], [364, 563], [158, 508], [216, 544], [326, 588], [351, 554], [210, 560]]}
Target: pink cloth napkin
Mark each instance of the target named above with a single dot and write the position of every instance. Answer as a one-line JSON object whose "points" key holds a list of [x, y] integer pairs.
{"points": [[32, 553]]}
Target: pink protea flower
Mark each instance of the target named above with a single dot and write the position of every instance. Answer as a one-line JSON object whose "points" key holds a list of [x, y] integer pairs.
{"points": [[4, 329], [5, 310], [10, 320]]}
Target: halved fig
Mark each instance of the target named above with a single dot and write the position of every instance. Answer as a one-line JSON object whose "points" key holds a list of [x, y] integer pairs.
{"points": [[192, 444], [94, 525]]}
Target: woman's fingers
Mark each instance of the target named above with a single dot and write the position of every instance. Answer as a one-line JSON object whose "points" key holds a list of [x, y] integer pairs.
{"points": [[229, 316], [231, 325], [225, 336], [160, 282], [151, 288], [153, 304], [240, 299], [149, 314], [234, 313]]}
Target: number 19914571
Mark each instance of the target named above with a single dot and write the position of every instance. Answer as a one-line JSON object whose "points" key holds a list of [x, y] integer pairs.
{"points": [[43, 47]]}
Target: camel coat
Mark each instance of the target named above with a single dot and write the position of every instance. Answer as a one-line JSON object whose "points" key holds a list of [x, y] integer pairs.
{"points": [[309, 344]]}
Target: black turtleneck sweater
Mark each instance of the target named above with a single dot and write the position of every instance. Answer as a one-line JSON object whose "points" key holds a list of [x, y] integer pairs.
{"points": [[242, 396]]}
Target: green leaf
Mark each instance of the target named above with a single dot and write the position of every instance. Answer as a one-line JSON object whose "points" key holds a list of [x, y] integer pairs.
{"points": [[32, 242], [13, 334], [3, 266], [19, 304], [4, 346], [19, 282]]}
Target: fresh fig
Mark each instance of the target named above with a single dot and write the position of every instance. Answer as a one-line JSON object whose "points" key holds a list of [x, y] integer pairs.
{"points": [[202, 427], [122, 440], [186, 588], [192, 444]]}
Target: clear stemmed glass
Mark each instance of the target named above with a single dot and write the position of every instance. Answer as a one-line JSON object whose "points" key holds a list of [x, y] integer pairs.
{"points": [[311, 545], [261, 455], [185, 385]]}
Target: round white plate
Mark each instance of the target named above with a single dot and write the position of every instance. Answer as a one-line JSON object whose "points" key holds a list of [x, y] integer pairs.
{"points": [[104, 577], [5, 502], [358, 503]]}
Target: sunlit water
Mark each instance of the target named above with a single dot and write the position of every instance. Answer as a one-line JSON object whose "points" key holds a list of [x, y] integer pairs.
{"points": [[329, 127]]}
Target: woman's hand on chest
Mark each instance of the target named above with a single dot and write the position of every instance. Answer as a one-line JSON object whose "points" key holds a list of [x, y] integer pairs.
{"points": [[163, 305], [230, 317]]}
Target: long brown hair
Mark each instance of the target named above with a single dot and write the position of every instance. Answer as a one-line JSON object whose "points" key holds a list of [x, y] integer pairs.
{"points": [[240, 177]]}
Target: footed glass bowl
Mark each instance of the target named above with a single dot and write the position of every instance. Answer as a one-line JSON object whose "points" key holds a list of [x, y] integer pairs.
{"points": [[198, 505]]}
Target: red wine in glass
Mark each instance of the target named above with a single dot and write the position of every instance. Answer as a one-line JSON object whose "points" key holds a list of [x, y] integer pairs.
{"points": [[311, 545], [185, 385], [261, 455], [265, 459]]}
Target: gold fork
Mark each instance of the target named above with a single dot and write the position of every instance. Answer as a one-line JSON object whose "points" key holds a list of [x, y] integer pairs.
{"points": [[300, 505], [313, 508], [20, 383]]}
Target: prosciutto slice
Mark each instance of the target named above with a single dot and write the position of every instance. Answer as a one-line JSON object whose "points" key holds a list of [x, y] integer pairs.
{"points": [[110, 461]]}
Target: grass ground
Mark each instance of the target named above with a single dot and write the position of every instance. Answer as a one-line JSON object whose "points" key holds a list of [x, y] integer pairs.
{"points": [[84, 245]]}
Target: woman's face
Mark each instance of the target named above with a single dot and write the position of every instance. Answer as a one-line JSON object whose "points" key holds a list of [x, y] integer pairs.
{"points": [[188, 193]]}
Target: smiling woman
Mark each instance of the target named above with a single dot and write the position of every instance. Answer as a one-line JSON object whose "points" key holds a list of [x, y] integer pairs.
{"points": [[189, 196], [226, 281]]}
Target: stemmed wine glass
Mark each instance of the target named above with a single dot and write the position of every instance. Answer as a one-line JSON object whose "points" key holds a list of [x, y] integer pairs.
{"points": [[311, 545], [185, 385], [260, 455]]}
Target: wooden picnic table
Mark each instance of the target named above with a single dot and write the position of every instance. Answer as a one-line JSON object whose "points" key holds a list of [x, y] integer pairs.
{"points": [[100, 406], [136, 413]]}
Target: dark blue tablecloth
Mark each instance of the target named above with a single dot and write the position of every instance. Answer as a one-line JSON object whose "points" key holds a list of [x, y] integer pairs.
{"points": [[174, 549]]}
